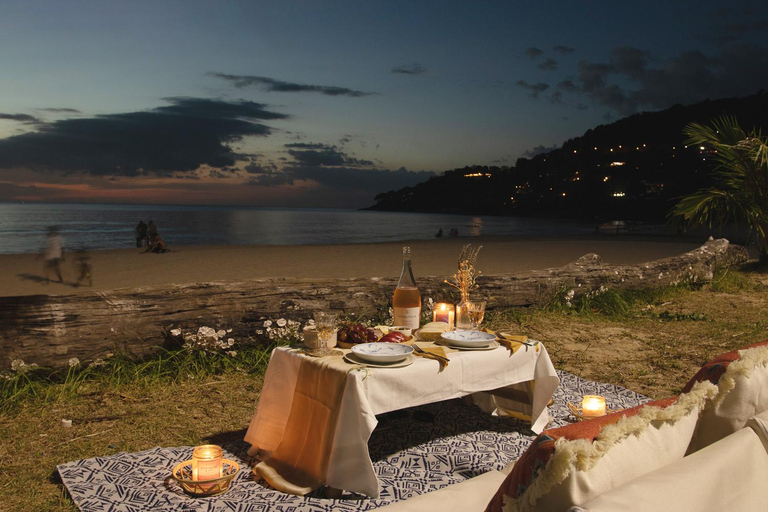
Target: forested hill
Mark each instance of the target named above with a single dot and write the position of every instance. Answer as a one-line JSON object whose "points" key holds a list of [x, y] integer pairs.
{"points": [[632, 169]]}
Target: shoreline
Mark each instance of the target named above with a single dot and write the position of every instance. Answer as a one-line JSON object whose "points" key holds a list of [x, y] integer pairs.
{"points": [[23, 274]]}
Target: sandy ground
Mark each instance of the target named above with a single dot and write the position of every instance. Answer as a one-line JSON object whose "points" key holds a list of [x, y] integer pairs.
{"points": [[129, 268]]}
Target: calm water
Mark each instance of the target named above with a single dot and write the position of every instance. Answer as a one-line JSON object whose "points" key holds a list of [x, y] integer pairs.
{"points": [[92, 227]]}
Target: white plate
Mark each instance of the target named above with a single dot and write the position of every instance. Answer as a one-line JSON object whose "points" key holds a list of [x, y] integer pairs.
{"points": [[352, 358], [491, 346], [380, 352], [472, 339]]}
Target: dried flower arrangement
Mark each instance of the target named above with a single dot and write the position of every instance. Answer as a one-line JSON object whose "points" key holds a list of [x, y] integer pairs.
{"points": [[464, 279]]}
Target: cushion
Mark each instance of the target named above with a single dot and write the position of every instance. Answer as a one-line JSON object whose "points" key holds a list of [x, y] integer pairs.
{"points": [[742, 379], [471, 494], [570, 465], [728, 475]]}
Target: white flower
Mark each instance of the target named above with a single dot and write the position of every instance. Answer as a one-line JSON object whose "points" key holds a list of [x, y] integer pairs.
{"points": [[230, 342], [175, 332], [232, 353], [267, 323], [282, 322], [73, 361], [229, 331]]}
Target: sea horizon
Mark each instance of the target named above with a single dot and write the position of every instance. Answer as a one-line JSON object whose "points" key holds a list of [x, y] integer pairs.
{"points": [[110, 226]]}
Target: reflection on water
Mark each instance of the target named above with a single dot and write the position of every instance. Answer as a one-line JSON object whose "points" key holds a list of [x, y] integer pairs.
{"points": [[22, 226]]}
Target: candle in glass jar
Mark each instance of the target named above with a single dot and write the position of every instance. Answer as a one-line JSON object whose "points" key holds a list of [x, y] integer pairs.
{"points": [[207, 462], [443, 313], [593, 406]]}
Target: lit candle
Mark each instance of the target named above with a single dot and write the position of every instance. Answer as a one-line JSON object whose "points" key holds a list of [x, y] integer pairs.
{"points": [[593, 406], [207, 463], [443, 313]]}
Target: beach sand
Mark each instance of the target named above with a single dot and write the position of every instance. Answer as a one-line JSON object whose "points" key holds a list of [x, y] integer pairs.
{"points": [[129, 268]]}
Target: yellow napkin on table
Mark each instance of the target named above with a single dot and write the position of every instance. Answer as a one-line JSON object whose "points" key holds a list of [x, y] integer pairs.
{"points": [[431, 348], [511, 341]]}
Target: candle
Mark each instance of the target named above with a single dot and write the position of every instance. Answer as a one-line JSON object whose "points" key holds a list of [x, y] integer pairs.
{"points": [[207, 463], [593, 406], [443, 313]]}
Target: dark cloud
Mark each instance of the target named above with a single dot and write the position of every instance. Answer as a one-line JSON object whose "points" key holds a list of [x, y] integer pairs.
{"points": [[563, 50], [257, 168], [537, 150], [321, 155], [724, 31], [634, 80], [533, 52], [180, 136], [22, 118], [535, 89], [409, 69], [548, 65], [273, 85], [306, 145], [60, 110]]}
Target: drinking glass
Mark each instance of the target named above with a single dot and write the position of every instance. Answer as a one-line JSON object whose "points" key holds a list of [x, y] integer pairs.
{"points": [[325, 325], [476, 310]]}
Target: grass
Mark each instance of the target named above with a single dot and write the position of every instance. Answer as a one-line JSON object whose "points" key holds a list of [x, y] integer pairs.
{"points": [[651, 341]]}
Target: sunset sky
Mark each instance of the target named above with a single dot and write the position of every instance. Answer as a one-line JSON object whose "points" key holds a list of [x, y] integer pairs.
{"points": [[327, 103]]}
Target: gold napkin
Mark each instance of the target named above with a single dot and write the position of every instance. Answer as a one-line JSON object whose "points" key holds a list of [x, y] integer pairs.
{"points": [[512, 341], [432, 350]]}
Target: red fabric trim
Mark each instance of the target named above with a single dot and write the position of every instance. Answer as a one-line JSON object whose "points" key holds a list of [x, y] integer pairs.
{"points": [[535, 458], [713, 370]]}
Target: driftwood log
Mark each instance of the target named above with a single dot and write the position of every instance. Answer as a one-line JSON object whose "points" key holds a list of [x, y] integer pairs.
{"points": [[49, 330]]}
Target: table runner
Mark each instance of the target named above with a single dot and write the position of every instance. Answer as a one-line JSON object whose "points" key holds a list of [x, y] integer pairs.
{"points": [[368, 392]]}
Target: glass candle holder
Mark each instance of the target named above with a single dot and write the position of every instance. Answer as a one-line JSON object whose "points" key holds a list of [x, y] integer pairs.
{"points": [[207, 462], [444, 312], [593, 406]]}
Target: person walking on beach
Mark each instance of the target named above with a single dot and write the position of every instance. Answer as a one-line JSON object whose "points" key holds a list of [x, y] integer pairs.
{"points": [[84, 265], [54, 253]]}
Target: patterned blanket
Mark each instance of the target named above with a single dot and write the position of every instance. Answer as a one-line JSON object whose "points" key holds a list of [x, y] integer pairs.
{"points": [[414, 451]]}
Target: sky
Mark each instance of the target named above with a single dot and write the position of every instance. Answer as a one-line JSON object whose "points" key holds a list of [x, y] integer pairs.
{"points": [[328, 103]]}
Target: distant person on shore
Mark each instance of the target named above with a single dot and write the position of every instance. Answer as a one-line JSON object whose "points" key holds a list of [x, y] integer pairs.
{"points": [[85, 268], [151, 230], [454, 232], [157, 245], [54, 253], [439, 233], [140, 231]]}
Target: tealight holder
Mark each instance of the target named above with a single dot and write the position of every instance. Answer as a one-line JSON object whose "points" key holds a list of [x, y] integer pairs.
{"points": [[182, 473], [581, 414]]}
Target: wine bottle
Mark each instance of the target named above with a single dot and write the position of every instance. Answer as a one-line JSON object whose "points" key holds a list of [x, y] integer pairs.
{"points": [[406, 304]]}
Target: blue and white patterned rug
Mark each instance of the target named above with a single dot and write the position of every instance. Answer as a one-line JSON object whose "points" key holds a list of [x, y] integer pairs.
{"points": [[415, 451]]}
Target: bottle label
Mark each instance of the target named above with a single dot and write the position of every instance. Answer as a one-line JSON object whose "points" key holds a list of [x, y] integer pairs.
{"points": [[407, 317]]}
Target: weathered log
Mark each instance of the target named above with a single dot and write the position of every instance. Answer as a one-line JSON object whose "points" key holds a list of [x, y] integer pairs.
{"points": [[48, 330]]}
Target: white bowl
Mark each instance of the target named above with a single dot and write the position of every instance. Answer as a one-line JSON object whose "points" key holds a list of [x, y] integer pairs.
{"points": [[468, 338], [380, 352]]}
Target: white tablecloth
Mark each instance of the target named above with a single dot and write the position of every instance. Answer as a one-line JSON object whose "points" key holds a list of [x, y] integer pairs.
{"points": [[371, 391]]}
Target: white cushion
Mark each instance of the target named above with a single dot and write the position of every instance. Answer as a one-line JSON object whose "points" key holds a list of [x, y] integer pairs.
{"points": [[467, 496], [729, 475]]}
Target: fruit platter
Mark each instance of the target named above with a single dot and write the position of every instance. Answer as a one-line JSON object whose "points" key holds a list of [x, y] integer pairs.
{"points": [[351, 334]]}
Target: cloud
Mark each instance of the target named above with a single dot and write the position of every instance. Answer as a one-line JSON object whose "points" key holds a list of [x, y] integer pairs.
{"points": [[409, 69], [178, 137], [534, 88], [534, 52], [563, 50], [724, 31], [548, 65], [272, 85], [321, 155], [633, 79], [537, 150], [60, 110], [22, 118]]}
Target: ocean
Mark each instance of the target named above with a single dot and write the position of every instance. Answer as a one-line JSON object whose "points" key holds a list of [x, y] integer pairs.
{"points": [[97, 226]]}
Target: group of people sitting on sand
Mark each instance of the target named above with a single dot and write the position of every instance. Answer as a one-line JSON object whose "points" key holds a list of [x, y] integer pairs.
{"points": [[147, 236]]}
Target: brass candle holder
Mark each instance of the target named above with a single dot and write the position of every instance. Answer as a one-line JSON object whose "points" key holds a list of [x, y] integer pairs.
{"points": [[182, 473]]}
